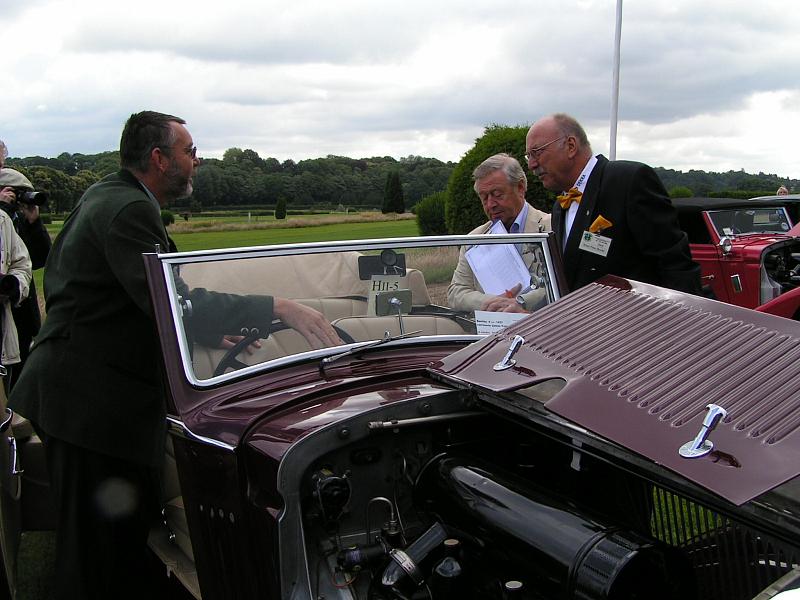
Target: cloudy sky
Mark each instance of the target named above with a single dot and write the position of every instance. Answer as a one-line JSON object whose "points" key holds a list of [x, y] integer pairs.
{"points": [[711, 84]]}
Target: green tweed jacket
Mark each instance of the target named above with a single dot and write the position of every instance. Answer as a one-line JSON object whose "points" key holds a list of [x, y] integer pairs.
{"points": [[93, 378]]}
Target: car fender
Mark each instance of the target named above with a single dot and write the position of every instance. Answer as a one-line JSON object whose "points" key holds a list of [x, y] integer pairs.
{"points": [[786, 305]]}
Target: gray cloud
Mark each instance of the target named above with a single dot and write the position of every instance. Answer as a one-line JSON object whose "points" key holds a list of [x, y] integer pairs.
{"points": [[312, 78]]}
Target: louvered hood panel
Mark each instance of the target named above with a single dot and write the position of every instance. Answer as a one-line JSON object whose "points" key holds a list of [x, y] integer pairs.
{"points": [[641, 365]]}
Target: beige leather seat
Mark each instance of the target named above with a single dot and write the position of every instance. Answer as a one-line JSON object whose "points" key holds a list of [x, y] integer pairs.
{"points": [[374, 328], [332, 278], [331, 275], [279, 343]]}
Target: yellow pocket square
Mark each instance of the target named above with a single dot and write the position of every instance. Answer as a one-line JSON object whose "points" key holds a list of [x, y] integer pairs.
{"points": [[600, 223]]}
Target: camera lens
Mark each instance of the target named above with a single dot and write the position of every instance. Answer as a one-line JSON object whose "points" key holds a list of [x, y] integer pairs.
{"points": [[37, 198]]}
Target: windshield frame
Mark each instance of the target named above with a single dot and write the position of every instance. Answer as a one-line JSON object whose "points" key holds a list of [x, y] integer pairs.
{"points": [[719, 229], [169, 261]]}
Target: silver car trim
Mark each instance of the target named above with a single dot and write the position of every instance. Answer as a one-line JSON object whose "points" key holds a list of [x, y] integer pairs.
{"points": [[177, 427]]}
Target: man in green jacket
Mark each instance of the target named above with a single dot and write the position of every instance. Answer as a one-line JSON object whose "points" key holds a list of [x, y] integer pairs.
{"points": [[92, 383]]}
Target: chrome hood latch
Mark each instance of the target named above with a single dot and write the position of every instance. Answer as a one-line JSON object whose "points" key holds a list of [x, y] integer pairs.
{"points": [[508, 360], [700, 445]]}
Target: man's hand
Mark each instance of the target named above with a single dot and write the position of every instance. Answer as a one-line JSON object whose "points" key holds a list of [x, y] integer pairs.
{"points": [[309, 323], [7, 195], [506, 303], [502, 304]]}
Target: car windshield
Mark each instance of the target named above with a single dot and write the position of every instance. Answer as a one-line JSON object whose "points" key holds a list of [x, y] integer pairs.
{"points": [[728, 222], [417, 288]]}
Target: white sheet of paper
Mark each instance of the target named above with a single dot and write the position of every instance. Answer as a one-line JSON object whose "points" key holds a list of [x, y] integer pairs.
{"points": [[498, 267], [491, 322], [497, 228]]}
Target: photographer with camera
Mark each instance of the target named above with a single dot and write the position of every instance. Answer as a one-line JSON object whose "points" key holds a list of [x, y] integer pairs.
{"points": [[15, 279], [21, 203]]}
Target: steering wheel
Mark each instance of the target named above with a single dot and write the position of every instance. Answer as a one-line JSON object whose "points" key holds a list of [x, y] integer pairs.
{"points": [[230, 360]]}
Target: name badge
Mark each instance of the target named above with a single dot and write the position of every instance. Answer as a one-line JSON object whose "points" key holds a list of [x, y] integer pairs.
{"points": [[595, 243]]}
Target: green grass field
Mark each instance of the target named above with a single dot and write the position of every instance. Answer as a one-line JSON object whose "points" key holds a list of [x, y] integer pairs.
{"points": [[294, 235], [238, 238]]}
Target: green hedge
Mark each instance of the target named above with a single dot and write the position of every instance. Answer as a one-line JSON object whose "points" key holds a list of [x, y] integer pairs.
{"points": [[430, 214], [463, 211]]}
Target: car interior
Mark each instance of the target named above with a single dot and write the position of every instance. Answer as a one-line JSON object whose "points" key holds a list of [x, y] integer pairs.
{"points": [[335, 286]]}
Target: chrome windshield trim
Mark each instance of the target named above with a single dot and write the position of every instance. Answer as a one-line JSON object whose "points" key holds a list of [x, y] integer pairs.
{"points": [[170, 261], [323, 353], [177, 427], [177, 258]]}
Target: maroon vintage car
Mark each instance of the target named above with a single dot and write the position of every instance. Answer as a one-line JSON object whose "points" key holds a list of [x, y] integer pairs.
{"points": [[621, 442], [746, 249]]}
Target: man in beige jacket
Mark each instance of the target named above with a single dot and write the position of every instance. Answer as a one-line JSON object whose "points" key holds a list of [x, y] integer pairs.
{"points": [[500, 183]]}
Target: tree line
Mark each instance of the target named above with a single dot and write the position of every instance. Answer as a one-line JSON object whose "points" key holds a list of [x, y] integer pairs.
{"points": [[243, 179], [457, 210]]}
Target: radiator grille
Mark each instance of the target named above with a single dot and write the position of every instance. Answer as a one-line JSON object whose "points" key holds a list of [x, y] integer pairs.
{"points": [[730, 560]]}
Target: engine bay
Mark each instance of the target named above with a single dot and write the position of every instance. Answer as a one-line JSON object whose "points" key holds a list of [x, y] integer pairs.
{"points": [[470, 505], [782, 264]]}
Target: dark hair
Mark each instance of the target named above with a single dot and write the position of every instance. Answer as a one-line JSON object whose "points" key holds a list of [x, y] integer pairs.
{"points": [[144, 131]]}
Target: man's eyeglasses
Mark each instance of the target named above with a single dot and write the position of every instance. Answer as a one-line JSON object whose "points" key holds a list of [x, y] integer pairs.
{"points": [[190, 151], [535, 153]]}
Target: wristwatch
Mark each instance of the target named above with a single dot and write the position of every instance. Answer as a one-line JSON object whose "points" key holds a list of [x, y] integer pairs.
{"points": [[521, 302]]}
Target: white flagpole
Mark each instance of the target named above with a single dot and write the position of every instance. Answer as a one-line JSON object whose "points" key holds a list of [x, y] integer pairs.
{"points": [[612, 147]]}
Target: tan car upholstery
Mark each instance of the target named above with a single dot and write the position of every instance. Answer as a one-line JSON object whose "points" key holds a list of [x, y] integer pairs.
{"points": [[374, 328], [327, 283], [297, 276]]}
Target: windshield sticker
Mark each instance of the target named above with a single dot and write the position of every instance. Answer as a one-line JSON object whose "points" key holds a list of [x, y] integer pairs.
{"points": [[381, 283], [487, 322]]}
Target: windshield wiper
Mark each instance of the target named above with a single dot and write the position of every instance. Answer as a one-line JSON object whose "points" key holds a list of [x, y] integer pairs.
{"points": [[351, 351]]}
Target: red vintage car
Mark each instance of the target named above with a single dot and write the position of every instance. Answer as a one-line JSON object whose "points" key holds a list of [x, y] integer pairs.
{"points": [[746, 249], [621, 442]]}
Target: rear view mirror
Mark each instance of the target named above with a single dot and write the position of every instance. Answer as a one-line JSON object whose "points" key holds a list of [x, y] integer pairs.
{"points": [[388, 262]]}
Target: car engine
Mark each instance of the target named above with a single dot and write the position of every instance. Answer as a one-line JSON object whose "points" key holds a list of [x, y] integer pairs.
{"points": [[475, 506], [782, 265]]}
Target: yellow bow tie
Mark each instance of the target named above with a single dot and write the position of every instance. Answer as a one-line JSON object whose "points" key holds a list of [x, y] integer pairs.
{"points": [[573, 195]]}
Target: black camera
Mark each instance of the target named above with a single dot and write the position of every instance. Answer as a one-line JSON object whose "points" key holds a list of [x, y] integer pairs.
{"points": [[28, 197]]}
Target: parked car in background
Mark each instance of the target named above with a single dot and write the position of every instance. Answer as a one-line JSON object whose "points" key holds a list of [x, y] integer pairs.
{"points": [[622, 442], [747, 251], [790, 201]]}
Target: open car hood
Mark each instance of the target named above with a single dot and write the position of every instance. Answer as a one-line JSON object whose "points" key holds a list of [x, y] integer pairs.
{"points": [[642, 364]]}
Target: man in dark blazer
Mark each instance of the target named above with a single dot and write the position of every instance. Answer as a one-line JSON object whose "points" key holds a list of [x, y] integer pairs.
{"points": [[92, 384], [611, 217]]}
